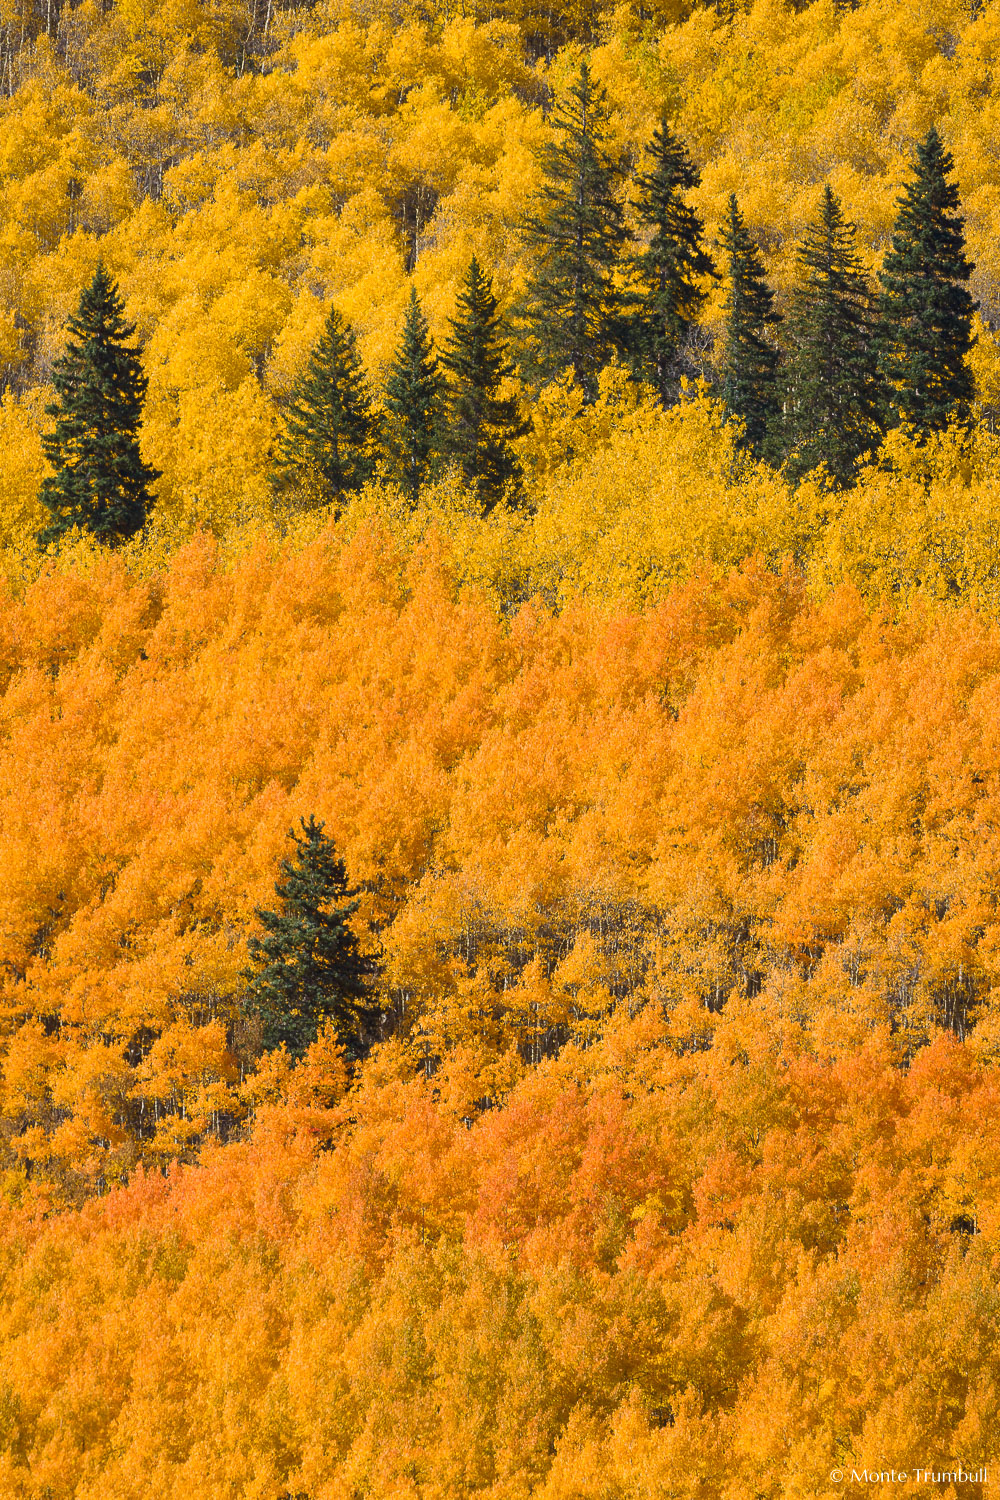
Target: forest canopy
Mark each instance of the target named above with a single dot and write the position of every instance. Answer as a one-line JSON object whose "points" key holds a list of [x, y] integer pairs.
{"points": [[240, 173], [685, 927], [499, 773]]}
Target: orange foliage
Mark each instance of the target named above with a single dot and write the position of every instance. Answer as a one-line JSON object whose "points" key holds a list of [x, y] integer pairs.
{"points": [[676, 1171], [734, 794], [654, 1272]]}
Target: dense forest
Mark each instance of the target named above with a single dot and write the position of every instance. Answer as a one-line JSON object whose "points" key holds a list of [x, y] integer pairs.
{"points": [[499, 770]]}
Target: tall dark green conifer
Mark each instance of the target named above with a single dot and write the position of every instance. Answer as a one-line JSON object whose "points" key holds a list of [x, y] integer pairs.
{"points": [[925, 310], [100, 482], [832, 405], [671, 270], [480, 425], [413, 397], [308, 966], [326, 449], [572, 314], [750, 361]]}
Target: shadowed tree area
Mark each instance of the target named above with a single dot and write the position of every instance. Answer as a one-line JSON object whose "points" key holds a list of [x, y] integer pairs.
{"points": [[101, 483], [308, 967]]}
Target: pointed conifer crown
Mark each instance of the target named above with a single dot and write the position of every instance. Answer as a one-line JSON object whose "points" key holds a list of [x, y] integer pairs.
{"points": [[414, 364], [827, 251], [100, 482], [932, 185], [325, 449], [100, 315], [748, 288], [832, 395], [671, 166], [571, 315], [926, 310], [670, 271], [413, 394], [750, 360], [308, 966], [480, 422], [474, 349]]}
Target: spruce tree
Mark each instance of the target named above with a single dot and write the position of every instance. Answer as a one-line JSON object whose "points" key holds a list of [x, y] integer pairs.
{"points": [[750, 361], [100, 482], [308, 968], [480, 425], [832, 393], [925, 309], [670, 271], [572, 314], [326, 449], [413, 399]]}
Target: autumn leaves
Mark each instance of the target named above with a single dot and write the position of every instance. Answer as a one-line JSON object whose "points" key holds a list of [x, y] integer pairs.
{"points": [[660, 1267], [733, 796], [815, 392]]}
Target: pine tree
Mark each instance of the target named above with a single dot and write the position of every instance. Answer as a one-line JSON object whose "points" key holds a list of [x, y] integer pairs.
{"points": [[327, 447], [480, 425], [307, 967], [750, 361], [413, 396], [100, 482], [925, 310], [573, 314], [833, 393], [670, 270]]}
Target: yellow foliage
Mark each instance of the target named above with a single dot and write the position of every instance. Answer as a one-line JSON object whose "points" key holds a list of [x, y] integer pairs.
{"points": [[670, 791], [21, 421], [234, 201]]}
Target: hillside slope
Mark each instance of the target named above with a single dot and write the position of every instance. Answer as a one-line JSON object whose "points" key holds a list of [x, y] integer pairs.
{"points": [[233, 192], [671, 796], [732, 792]]}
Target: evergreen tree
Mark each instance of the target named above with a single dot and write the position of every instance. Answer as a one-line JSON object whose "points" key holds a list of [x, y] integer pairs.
{"points": [[750, 360], [307, 967], [572, 313], [327, 447], [480, 425], [925, 310], [413, 398], [832, 404], [672, 267], [100, 482]]}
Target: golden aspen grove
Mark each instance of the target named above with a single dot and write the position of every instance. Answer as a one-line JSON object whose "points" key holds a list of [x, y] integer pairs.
{"points": [[646, 1141]]}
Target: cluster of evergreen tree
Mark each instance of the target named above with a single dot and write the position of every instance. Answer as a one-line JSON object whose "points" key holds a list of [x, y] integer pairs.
{"points": [[818, 386], [848, 362], [437, 412], [593, 295], [855, 360]]}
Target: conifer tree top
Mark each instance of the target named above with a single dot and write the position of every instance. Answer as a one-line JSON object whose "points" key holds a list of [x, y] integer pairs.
{"points": [[928, 208], [473, 347], [101, 307], [308, 966], [750, 360], [832, 402], [671, 269], [480, 422], [925, 309], [571, 311], [101, 483], [413, 394], [326, 448]]}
